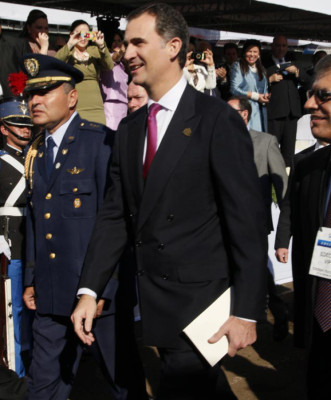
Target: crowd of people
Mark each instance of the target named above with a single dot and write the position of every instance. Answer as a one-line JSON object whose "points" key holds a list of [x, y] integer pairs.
{"points": [[142, 171]]}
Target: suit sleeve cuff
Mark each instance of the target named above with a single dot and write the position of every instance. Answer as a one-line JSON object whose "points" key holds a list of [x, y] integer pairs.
{"points": [[86, 291]]}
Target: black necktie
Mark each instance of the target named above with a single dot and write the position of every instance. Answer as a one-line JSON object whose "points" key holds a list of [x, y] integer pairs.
{"points": [[49, 155]]}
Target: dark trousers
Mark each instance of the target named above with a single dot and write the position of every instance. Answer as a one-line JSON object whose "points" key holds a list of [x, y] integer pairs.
{"points": [[185, 375], [319, 365], [285, 130], [57, 352]]}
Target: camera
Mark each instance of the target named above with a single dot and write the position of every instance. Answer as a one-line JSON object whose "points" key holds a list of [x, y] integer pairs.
{"points": [[89, 35], [198, 56]]}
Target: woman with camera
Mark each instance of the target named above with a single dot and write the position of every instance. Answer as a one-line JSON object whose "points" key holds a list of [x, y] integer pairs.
{"points": [[90, 59], [199, 69], [248, 78], [114, 84]]}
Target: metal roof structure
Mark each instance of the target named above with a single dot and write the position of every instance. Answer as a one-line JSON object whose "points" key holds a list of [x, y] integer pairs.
{"points": [[247, 16]]}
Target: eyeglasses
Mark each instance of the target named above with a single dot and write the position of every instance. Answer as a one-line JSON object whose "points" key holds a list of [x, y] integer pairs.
{"points": [[321, 94]]}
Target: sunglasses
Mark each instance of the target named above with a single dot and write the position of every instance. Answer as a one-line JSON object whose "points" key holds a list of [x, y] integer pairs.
{"points": [[321, 94]]}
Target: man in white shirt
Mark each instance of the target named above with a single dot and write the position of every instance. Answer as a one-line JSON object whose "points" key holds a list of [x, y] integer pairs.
{"points": [[188, 200]]}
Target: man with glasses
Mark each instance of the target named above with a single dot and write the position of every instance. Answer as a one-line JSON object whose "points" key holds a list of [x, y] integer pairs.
{"points": [[310, 216]]}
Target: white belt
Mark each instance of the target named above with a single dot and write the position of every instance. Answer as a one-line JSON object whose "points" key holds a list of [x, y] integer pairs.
{"points": [[13, 211]]}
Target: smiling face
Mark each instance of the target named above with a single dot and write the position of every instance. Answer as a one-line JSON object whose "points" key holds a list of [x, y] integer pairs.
{"points": [[252, 54], [52, 108], [321, 111], [40, 25], [117, 43], [152, 61]]}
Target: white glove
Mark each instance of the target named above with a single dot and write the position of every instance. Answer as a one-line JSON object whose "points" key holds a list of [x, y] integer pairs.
{"points": [[4, 247]]}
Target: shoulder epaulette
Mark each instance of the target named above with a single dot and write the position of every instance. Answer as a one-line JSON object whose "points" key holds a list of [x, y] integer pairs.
{"points": [[94, 126]]}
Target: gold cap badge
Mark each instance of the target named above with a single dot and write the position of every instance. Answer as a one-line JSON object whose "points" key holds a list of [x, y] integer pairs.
{"points": [[32, 66]]}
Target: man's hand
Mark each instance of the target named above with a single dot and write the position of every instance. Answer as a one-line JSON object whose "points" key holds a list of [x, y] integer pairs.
{"points": [[292, 69], [240, 334], [275, 78], [29, 298], [282, 255], [100, 305], [82, 318]]}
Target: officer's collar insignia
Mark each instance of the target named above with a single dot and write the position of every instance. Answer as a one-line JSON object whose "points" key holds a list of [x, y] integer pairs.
{"points": [[32, 66], [57, 165], [64, 151], [40, 154], [187, 132], [75, 170]]}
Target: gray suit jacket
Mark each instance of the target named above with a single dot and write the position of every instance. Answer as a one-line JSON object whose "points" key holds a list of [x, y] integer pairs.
{"points": [[270, 168]]}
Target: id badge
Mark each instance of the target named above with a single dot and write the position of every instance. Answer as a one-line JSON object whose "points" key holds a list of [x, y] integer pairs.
{"points": [[321, 261]]}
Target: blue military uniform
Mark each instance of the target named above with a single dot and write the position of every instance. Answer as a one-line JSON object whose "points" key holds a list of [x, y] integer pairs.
{"points": [[14, 112], [61, 212]]}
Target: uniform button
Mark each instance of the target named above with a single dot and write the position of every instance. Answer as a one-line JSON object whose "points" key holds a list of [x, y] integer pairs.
{"points": [[47, 216], [75, 190], [48, 196], [49, 236], [140, 272], [139, 243], [52, 255], [170, 217], [131, 215], [161, 246], [165, 276]]}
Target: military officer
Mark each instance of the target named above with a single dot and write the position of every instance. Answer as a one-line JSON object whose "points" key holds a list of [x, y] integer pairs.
{"points": [[66, 168], [15, 126]]}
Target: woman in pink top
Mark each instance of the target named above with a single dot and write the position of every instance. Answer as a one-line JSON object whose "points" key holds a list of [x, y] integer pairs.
{"points": [[114, 85]]}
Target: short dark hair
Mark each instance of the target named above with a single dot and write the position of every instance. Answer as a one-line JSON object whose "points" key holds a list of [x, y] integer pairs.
{"points": [[230, 45], [32, 17], [244, 104], [323, 66], [169, 23], [77, 23]]}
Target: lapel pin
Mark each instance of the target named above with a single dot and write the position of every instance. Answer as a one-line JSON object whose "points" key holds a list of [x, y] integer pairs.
{"points": [[57, 165], [71, 137], [64, 151], [187, 132], [75, 170]]}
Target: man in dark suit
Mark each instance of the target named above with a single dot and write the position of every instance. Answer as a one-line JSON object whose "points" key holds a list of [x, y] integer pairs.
{"points": [[310, 210], [271, 171], [284, 107], [66, 167], [195, 217]]}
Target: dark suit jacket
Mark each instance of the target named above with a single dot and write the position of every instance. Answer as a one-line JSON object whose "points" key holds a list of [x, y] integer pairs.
{"points": [[197, 222], [72, 200], [307, 197], [285, 99], [283, 234], [270, 168]]}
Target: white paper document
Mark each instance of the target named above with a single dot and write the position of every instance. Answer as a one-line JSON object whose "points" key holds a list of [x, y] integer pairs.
{"points": [[206, 324]]}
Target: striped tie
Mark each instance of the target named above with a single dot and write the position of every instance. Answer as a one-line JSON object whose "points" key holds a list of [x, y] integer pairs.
{"points": [[322, 309]]}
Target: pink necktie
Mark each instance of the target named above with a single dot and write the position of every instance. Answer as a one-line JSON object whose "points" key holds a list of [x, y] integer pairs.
{"points": [[322, 309], [151, 137]]}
